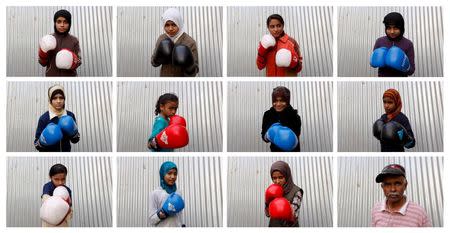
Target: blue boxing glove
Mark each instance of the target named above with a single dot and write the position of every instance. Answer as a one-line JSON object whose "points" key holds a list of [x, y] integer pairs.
{"points": [[378, 57], [68, 125], [173, 205], [397, 59], [51, 135], [285, 139], [272, 131]]}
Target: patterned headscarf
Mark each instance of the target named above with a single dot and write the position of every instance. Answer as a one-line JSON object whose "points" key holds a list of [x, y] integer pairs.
{"points": [[394, 95], [284, 169], [165, 168]]}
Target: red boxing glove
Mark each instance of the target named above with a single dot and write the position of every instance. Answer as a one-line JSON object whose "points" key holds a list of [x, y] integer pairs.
{"points": [[273, 191], [280, 208], [177, 120], [172, 137]]}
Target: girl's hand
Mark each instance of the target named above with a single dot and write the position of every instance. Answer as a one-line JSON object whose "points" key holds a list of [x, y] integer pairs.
{"points": [[161, 215], [151, 144]]}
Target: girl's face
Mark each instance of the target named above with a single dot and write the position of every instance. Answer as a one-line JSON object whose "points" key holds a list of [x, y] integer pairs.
{"points": [[58, 102], [275, 28], [279, 104], [169, 109], [389, 105], [171, 28], [58, 179], [171, 176], [393, 31], [278, 178], [61, 24]]}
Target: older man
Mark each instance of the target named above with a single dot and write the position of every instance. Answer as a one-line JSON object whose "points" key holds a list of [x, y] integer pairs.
{"points": [[396, 210]]}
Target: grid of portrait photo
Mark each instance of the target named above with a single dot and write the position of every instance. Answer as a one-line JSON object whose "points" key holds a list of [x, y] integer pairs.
{"points": [[227, 116]]}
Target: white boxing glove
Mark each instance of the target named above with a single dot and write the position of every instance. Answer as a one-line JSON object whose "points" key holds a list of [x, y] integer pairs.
{"points": [[47, 43], [62, 192], [286, 58], [267, 41], [54, 210], [66, 59]]}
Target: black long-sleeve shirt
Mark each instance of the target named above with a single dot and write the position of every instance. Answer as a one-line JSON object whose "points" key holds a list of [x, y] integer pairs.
{"points": [[288, 117]]}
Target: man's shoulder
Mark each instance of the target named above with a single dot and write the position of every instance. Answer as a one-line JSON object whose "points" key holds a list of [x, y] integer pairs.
{"points": [[413, 206]]}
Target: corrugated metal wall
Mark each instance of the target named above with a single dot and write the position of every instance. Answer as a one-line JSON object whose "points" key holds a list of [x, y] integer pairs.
{"points": [[199, 181], [89, 178], [359, 28], [138, 28], [200, 103], [92, 25], [310, 26], [360, 104], [248, 178], [247, 102], [358, 192], [89, 101]]}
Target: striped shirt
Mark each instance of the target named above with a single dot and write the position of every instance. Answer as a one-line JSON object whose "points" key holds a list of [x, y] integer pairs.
{"points": [[410, 215]]}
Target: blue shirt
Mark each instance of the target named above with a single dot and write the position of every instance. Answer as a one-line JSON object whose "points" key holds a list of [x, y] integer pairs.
{"points": [[64, 145], [50, 187]]}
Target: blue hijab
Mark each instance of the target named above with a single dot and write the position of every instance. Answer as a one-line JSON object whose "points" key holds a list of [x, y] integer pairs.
{"points": [[165, 168]]}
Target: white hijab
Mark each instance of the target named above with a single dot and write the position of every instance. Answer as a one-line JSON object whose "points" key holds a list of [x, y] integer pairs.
{"points": [[173, 15]]}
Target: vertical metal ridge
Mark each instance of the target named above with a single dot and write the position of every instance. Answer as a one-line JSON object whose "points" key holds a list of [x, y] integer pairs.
{"points": [[360, 104], [313, 100], [92, 25], [246, 205], [136, 41], [89, 178], [359, 27], [200, 103], [358, 191], [199, 182], [89, 101], [310, 26]]}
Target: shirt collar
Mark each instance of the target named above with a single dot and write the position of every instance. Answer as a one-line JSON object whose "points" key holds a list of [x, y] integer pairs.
{"points": [[52, 114], [402, 210]]}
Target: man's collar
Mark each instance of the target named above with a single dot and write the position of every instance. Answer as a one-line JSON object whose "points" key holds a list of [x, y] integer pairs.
{"points": [[402, 210]]}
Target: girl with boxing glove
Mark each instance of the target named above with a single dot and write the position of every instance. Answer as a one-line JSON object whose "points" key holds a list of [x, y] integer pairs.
{"points": [[388, 65], [278, 52], [284, 115], [283, 216], [58, 175], [175, 51], [165, 107], [60, 51], [160, 215], [393, 128], [57, 127]]}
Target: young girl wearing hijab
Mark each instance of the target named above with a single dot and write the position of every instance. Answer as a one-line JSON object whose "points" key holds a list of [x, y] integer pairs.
{"points": [[280, 172], [278, 52], [51, 45], [394, 29], [167, 177], [57, 174], [175, 50], [56, 111], [393, 107], [281, 112]]}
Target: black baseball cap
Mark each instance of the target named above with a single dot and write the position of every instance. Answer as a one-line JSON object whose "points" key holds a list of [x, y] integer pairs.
{"points": [[390, 170]]}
